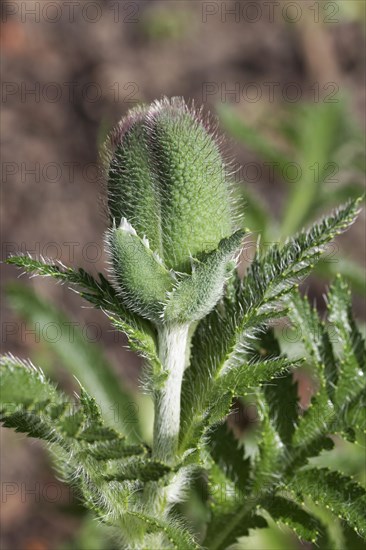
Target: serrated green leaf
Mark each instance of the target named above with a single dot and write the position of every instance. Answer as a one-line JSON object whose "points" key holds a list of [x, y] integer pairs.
{"points": [[140, 342], [219, 537], [254, 373], [223, 338], [300, 454], [176, 534], [227, 452], [352, 364], [85, 361], [100, 293], [114, 449], [23, 384], [351, 418], [320, 413], [352, 540], [281, 392], [306, 526], [231, 511], [323, 417], [339, 493], [28, 400], [315, 421], [267, 462], [305, 318], [140, 468], [80, 443]]}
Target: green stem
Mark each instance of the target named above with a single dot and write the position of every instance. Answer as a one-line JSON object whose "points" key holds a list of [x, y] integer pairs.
{"points": [[172, 353], [172, 341]]}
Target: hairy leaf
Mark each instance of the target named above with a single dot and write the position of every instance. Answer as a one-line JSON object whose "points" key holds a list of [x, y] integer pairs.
{"points": [[229, 455], [352, 365], [83, 360], [176, 534], [222, 339], [102, 295], [306, 526], [339, 493]]}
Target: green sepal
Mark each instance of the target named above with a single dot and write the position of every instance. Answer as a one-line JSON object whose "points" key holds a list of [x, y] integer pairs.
{"points": [[195, 295], [138, 272]]}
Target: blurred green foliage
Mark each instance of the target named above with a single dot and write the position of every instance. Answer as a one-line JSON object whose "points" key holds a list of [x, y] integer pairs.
{"points": [[319, 155], [162, 23], [80, 357], [91, 536], [354, 10]]}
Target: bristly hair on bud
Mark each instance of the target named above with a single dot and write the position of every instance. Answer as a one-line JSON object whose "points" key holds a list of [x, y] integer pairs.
{"points": [[166, 175], [167, 179]]}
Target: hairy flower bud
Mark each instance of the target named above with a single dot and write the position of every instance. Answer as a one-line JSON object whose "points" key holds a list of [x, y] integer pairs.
{"points": [[171, 213]]}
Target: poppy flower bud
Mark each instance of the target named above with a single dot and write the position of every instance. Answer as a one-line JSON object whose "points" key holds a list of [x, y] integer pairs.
{"points": [[171, 235]]}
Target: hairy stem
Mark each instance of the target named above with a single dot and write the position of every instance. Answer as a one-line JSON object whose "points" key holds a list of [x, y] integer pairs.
{"points": [[172, 353]]}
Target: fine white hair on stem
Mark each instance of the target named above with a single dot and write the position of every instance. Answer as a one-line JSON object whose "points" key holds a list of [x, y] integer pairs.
{"points": [[172, 353]]}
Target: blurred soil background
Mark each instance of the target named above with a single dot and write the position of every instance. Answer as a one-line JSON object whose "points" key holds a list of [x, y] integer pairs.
{"points": [[67, 78]]}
